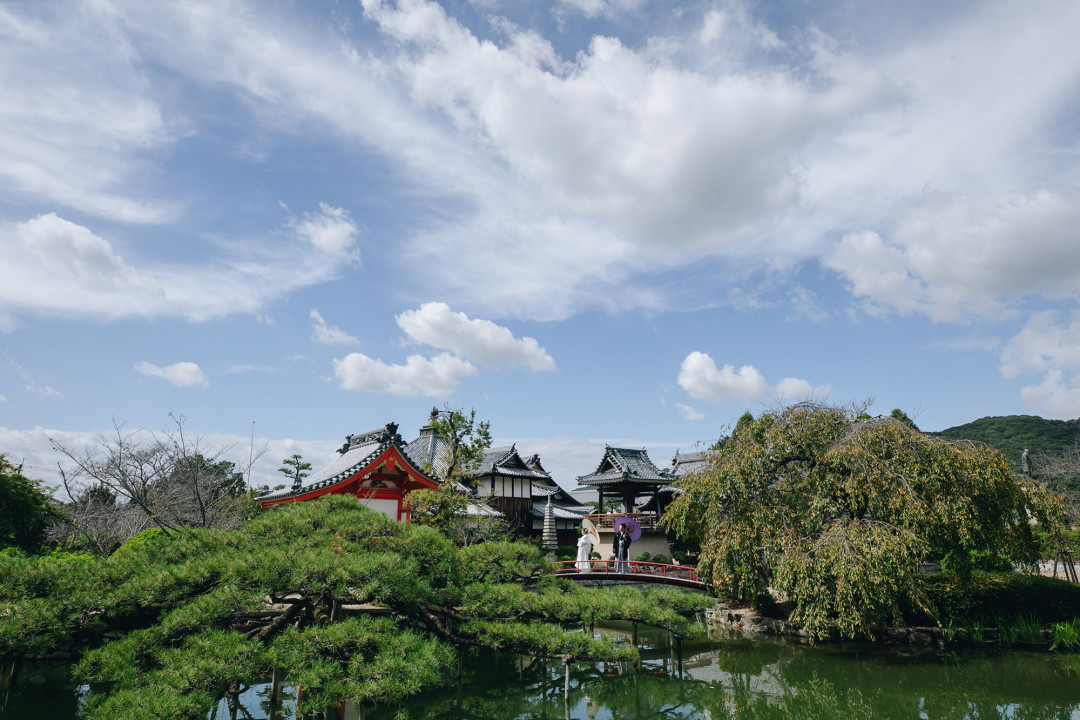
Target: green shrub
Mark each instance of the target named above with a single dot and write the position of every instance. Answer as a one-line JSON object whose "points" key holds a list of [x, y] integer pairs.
{"points": [[643, 557], [991, 562], [659, 559], [1000, 595], [566, 552], [145, 540]]}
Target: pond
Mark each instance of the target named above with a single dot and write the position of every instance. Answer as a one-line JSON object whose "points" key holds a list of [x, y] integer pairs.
{"points": [[720, 677]]}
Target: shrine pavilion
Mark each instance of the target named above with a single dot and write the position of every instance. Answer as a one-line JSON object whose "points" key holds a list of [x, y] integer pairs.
{"points": [[625, 475], [373, 466]]}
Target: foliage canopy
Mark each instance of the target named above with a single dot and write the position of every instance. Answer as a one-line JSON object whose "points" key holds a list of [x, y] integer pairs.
{"points": [[25, 511], [838, 513], [466, 437], [329, 593], [1045, 438]]}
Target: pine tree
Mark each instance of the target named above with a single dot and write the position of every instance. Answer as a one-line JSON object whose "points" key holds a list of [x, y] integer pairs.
{"points": [[296, 469]]}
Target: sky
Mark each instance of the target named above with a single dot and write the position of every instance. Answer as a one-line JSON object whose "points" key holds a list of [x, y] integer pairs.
{"points": [[596, 222]]}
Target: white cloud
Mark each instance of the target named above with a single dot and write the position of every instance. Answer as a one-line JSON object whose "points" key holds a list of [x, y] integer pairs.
{"points": [[701, 379], [434, 377], [1049, 346], [43, 390], [956, 258], [3, 399], [480, 341], [329, 334], [1056, 396], [790, 389], [592, 8], [805, 305], [619, 136], [54, 266], [78, 114], [1043, 345], [331, 230], [689, 413], [181, 374]]}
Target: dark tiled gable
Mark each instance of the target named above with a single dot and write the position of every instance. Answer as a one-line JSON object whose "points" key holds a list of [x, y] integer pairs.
{"points": [[689, 463], [625, 464]]}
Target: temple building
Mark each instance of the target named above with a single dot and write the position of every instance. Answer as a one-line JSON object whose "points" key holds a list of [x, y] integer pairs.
{"points": [[622, 477], [504, 481], [626, 479], [373, 466]]}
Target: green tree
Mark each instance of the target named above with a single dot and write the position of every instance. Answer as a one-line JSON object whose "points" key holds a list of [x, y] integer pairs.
{"points": [[838, 514], [466, 438], [25, 511], [447, 509], [178, 620], [898, 414], [295, 468]]}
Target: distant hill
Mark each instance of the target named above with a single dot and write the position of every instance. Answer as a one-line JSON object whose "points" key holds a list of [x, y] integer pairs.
{"points": [[1011, 434]]}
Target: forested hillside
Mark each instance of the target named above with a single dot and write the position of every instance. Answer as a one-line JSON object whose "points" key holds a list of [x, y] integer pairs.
{"points": [[1012, 434]]}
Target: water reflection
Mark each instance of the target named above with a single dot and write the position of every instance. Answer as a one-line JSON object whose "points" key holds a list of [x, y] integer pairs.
{"points": [[721, 677]]}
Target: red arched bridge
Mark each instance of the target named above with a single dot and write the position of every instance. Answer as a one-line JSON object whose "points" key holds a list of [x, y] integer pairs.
{"points": [[627, 571]]}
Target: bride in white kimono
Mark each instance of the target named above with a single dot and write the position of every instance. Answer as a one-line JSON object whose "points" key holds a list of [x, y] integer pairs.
{"points": [[584, 549]]}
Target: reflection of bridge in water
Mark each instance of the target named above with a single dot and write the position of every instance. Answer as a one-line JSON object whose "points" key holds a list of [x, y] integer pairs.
{"points": [[604, 572]]}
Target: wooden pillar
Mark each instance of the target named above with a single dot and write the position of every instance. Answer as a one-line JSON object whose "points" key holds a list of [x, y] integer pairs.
{"points": [[566, 684]]}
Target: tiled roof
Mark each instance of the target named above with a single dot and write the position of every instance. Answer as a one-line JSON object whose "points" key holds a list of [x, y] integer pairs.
{"points": [[561, 512], [506, 461], [586, 495], [358, 452], [626, 465], [555, 492], [431, 450], [481, 510], [533, 461], [689, 463]]}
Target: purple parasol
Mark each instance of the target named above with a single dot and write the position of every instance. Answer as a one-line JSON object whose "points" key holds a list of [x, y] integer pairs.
{"points": [[635, 529]]}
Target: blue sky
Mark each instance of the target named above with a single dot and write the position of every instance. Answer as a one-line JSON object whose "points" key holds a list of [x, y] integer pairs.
{"points": [[595, 221]]}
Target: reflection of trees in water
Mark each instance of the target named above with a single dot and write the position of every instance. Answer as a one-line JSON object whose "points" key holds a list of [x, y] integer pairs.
{"points": [[763, 680]]}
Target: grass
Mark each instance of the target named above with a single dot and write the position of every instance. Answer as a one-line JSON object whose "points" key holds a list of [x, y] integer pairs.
{"points": [[976, 628], [1029, 629], [1065, 635]]}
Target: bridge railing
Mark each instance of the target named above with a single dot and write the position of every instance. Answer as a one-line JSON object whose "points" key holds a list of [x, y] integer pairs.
{"points": [[623, 568]]}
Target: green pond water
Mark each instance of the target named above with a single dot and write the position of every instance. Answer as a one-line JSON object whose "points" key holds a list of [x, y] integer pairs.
{"points": [[720, 677]]}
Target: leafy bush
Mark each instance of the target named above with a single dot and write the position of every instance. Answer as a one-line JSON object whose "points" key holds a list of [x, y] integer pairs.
{"points": [[643, 557], [659, 559], [566, 552], [991, 562], [143, 541], [999, 595]]}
